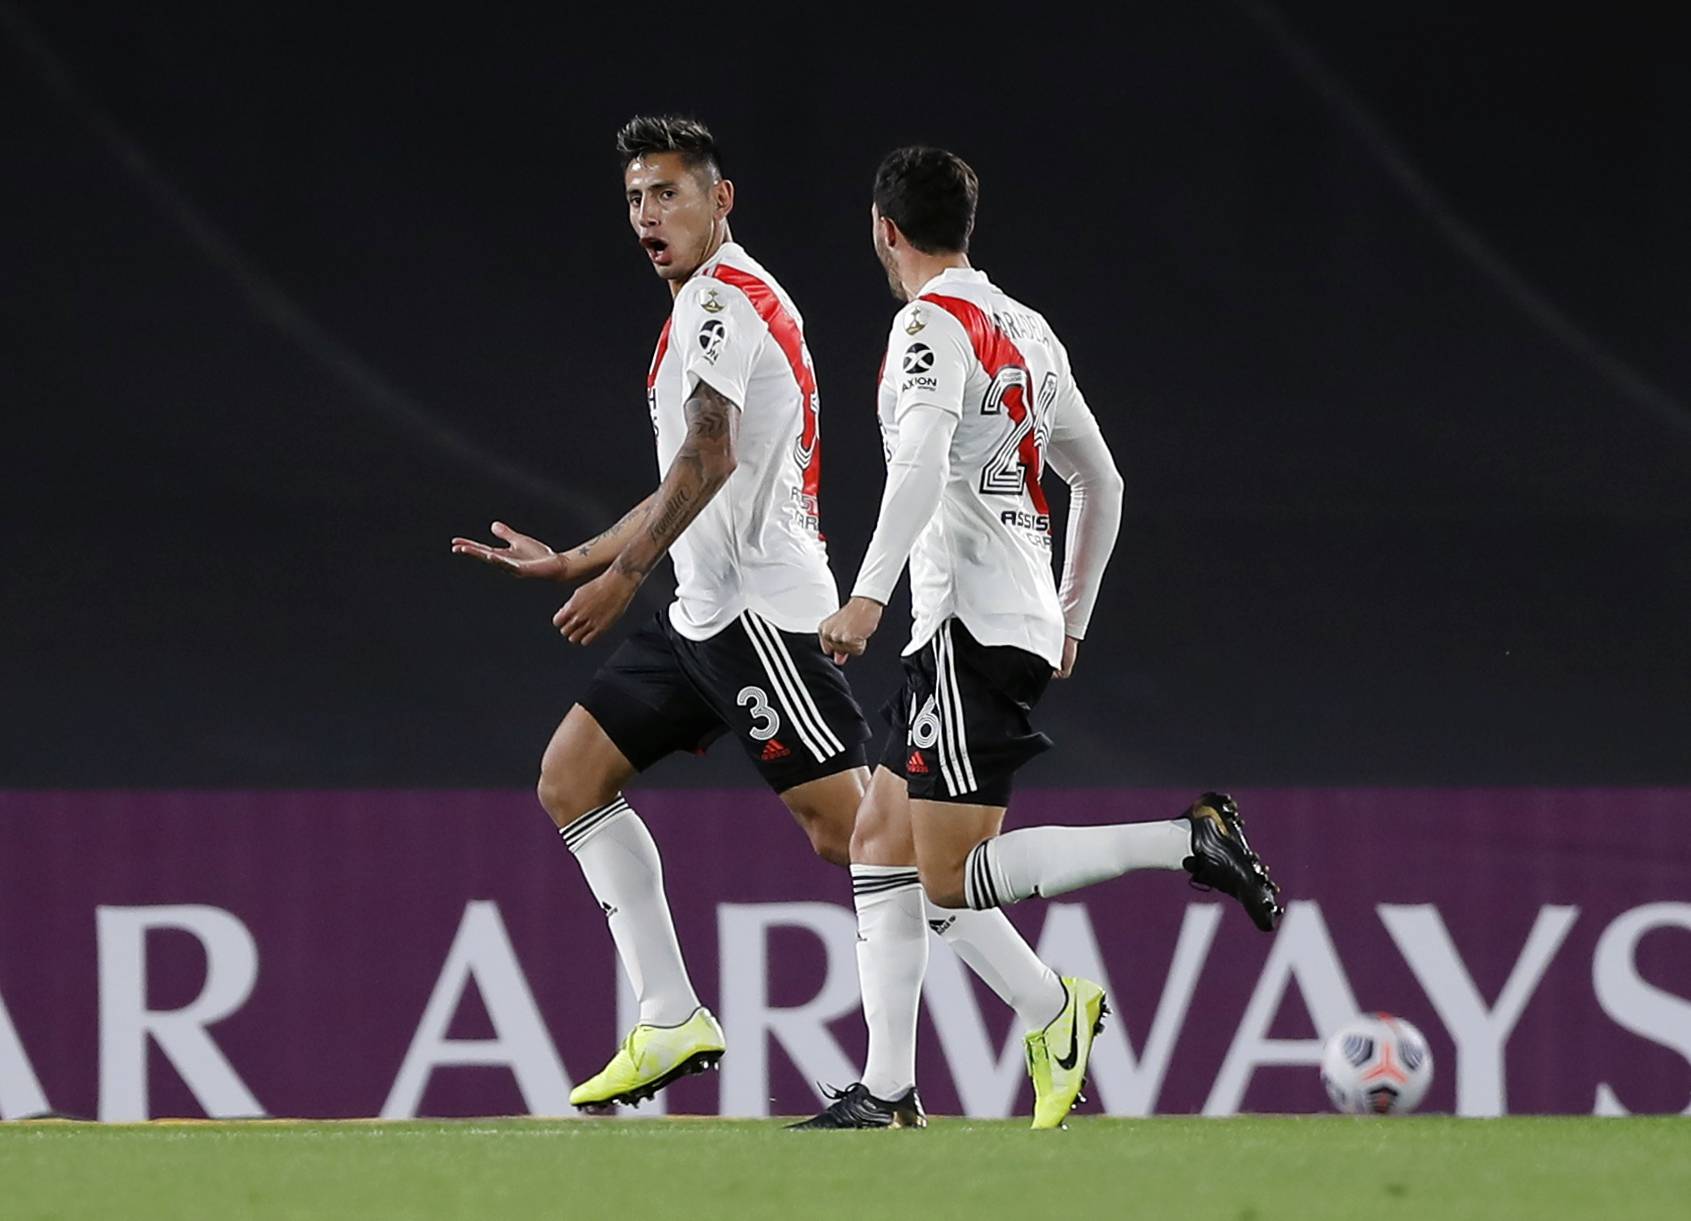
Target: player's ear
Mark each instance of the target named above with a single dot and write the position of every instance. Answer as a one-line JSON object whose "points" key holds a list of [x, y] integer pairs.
{"points": [[724, 198]]}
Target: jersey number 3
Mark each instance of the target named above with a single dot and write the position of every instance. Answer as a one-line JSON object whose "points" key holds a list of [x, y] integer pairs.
{"points": [[756, 699], [1010, 469]]}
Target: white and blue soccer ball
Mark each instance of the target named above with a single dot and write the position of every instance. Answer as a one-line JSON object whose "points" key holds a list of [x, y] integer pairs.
{"points": [[1377, 1064]]}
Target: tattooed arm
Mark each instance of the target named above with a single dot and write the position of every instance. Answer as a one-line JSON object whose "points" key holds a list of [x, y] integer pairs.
{"points": [[523, 556], [600, 552], [702, 465]]}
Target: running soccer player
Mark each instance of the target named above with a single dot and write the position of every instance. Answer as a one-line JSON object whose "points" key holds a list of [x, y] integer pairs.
{"points": [[732, 397], [976, 396]]}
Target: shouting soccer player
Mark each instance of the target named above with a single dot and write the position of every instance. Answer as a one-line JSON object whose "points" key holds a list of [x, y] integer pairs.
{"points": [[976, 396], [733, 401]]}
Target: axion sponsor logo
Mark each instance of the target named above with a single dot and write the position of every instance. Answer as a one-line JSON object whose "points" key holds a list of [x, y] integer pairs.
{"points": [[916, 362], [711, 337], [918, 358]]}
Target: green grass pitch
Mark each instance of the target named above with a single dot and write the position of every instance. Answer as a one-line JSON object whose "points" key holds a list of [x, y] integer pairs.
{"points": [[1259, 1168]]}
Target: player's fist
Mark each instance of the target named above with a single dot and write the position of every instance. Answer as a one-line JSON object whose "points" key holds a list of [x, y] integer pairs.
{"points": [[595, 607], [846, 632], [521, 556]]}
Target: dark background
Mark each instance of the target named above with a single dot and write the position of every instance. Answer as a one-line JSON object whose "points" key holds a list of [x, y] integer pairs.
{"points": [[1383, 308]]}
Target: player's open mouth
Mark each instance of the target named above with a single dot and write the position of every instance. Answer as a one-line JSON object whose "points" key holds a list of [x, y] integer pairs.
{"points": [[656, 249]]}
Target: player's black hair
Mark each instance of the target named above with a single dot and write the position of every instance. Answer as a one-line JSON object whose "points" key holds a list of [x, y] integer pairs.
{"points": [[930, 195], [669, 133]]}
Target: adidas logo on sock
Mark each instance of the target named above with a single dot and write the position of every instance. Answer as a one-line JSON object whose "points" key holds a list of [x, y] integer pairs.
{"points": [[939, 926], [607, 909], [773, 750], [916, 764]]}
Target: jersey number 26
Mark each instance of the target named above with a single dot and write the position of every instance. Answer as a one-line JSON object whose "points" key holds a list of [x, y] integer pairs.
{"points": [[1014, 464]]}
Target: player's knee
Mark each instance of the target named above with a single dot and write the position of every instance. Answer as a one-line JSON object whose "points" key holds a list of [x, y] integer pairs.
{"points": [[864, 841], [830, 842], [876, 842], [554, 797], [881, 833], [827, 825], [565, 798], [868, 832], [943, 886]]}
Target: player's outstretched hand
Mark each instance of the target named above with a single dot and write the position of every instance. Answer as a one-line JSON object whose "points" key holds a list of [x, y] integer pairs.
{"points": [[521, 556], [846, 632], [595, 607], [1071, 647]]}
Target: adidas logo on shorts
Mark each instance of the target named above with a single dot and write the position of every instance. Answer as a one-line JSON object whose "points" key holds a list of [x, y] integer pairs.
{"points": [[916, 764], [773, 750]]}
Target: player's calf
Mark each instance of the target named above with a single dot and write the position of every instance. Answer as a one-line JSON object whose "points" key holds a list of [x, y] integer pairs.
{"points": [[942, 882]]}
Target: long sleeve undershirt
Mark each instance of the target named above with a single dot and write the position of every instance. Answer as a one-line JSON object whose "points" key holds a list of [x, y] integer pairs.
{"points": [[916, 475], [1084, 462]]}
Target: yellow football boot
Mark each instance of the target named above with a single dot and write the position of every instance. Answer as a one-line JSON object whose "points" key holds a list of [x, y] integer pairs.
{"points": [[650, 1058], [1057, 1055]]}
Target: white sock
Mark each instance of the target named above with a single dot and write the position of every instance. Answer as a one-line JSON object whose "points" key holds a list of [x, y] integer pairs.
{"points": [[1055, 860], [892, 957], [990, 946], [616, 853]]}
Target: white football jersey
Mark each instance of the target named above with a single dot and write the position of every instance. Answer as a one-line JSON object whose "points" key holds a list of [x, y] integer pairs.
{"points": [[757, 544], [966, 347]]}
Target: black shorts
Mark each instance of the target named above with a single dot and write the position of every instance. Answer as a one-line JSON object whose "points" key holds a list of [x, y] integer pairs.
{"points": [[960, 725], [775, 691]]}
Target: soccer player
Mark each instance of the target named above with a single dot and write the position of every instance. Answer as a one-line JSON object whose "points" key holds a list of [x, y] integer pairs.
{"points": [[733, 402], [976, 397]]}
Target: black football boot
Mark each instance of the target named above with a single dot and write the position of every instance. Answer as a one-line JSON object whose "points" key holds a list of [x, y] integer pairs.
{"points": [[856, 1107], [1222, 860]]}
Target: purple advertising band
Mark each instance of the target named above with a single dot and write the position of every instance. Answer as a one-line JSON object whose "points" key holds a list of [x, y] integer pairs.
{"points": [[438, 953]]}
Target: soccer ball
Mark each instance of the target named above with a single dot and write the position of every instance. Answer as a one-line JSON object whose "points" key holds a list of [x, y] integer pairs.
{"points": [[1377, 1065]]}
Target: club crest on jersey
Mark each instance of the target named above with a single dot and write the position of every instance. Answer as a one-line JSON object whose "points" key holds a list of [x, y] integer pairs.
{"points": [[711, 337], [915, 326], [712, 304]]}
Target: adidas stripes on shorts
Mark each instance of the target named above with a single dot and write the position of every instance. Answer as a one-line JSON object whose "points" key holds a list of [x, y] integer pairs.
{"points": [[776, 692], [959, 725]]}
